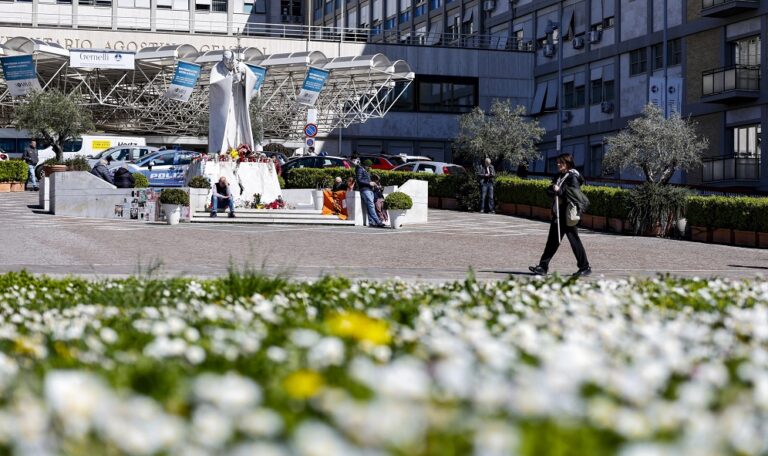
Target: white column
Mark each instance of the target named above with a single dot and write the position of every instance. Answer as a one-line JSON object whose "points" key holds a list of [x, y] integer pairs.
{"points": [[35, 7], [114, 14], [192, 16], [231, 16], [75, 4], [152, 15]]}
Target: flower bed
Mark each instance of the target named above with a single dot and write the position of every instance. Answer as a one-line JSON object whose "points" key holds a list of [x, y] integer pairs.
{"points": [[251, 365]]}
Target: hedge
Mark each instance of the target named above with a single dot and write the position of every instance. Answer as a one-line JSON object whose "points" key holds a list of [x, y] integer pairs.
{"points": [[13, 171], [739, 213]]}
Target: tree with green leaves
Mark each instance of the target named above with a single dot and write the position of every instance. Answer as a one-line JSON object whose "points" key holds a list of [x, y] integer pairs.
{"points": [[257, 118], [502, 133], [656, 145], [54, 117]]}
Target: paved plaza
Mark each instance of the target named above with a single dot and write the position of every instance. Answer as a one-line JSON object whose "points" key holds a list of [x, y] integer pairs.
{"points": [[495, 246]]}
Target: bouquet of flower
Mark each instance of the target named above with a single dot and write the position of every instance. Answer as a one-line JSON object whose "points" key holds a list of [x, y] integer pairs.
{"points": [[276, 204]]}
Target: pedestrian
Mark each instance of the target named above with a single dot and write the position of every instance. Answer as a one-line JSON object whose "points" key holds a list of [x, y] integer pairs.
{"points": [[123, 178], [100, 170], [487, 175], [363, 179], [338, 185], [31, 158], [222, 195], [565, 191], [378, 198]]}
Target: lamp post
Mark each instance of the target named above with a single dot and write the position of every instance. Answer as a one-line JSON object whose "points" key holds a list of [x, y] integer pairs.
{"points": [[664, 63], [558, 26]]}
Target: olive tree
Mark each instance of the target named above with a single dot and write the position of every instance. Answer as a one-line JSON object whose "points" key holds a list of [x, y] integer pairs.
{"points": [[656, 145], [257, 118], [502, 133], [54, 117]]}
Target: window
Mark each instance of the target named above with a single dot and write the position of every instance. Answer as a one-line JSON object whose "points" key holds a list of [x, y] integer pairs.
{"points": [[199, 7], [389, 24], [601, 90], [247, 8], [573, 96], [638, 62], [674, 54], [64, 2], [420, 10], [435, 4], [467, 27], [453, 28], [406, 101], [609, 22], [596, 154], [260, 7], [165, 159], [426, 169], [219, 6], [405, 16], [746, 141], [446, 94], [293, 7], [746, 51]]}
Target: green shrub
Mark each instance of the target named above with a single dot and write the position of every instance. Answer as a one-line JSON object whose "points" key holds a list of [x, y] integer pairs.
{"points": [[439, 185], [468, 194], [652, 205], [140, 181], [281, 181], [509, 189], [174, 196], [13, 171], [200, 182], [398, 201], [77, 164], [738, 213], [607, 201]]}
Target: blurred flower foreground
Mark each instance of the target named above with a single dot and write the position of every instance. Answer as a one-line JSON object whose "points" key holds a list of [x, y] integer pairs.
{"points": [[248, 365]]}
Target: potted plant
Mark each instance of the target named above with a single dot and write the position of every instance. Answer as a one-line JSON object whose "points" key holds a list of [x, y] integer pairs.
{"points": [[397, 203], [140, 181], [172, 200], [13, 173]]}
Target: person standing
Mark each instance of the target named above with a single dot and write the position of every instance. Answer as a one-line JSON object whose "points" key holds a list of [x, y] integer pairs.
{"points": [[487, 176], [222, 195], [31, 158], [565, 190], [363, 179]]}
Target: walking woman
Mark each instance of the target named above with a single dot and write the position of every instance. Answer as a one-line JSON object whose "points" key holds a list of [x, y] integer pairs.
{"points": [[565, 190]]}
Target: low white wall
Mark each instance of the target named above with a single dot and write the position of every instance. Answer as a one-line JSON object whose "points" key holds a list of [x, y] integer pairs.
{"points": [[418, 190], [300, 198]]}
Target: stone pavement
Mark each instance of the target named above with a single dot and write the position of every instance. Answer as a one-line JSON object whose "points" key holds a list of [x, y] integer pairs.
{"points": [[494, 246]]}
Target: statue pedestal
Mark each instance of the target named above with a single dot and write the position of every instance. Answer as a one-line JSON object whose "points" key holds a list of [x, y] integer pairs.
{"points": [[254, 177]]}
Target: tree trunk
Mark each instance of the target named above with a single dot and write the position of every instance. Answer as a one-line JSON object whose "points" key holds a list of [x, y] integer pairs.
{"points": [[59, 150]]}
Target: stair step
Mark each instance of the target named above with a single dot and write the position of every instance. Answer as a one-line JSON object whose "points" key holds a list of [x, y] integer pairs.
{"points": [[256, 215], [325, 220]]}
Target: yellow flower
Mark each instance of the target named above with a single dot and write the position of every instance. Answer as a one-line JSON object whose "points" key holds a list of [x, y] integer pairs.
{"points": [[303, 384], [358, 326], [233, 153]]}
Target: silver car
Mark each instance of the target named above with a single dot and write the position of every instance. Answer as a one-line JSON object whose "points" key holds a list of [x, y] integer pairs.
{"points": [[433, 167], [121, 155]]}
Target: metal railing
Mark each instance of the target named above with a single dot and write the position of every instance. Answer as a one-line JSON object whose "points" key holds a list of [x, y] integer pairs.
{"points": [[726, 168], [736, 77], [269, 30], [705, 4]]}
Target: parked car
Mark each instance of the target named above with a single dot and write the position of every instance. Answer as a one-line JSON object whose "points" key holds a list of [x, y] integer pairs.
{"points": [[165, 168], [279, 155], [316, 162], [121, 155], [377, 162], [433, 167], [403, 159]]}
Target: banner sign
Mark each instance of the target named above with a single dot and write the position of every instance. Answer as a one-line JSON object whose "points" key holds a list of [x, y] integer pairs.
{"points": [[184, 81], [261, 75], [313, 84], [20, 75], [104, 59], [671, 95]]}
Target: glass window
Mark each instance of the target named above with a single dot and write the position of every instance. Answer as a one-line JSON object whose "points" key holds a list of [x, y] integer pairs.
{"points": [[674, 54], [420, 10], [247, 8], [219, 6], [596, 160], [601, 91], [165, 159], [638, 62], [73, 146], [405, 102], [199, 7], [390, 24], [8, 145], [405, 16], [426, 169], [746, 141], [260, 7], [746, 51], [573, 96], [435, 4], [446, 94]]}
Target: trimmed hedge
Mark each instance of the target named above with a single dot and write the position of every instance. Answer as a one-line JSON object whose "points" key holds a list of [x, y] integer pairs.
{"points": [[740, 213], [13, 171]]}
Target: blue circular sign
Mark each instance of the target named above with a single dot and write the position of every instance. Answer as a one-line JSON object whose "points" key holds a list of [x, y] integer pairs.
{"points": [[310, 130], [310, 142]]}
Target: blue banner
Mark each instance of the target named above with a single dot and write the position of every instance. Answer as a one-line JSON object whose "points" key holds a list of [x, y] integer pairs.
{"points": [[20, 75], [313, 84], [261, 75], [184, 81]]}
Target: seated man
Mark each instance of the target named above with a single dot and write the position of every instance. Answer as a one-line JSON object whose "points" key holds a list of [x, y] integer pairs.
{"points": [[222, 195], [101, 170], [124, 178]]}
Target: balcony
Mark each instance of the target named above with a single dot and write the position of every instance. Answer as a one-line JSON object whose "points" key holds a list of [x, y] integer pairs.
{"points": [[730, 168], [730, 84], [724, 8]]}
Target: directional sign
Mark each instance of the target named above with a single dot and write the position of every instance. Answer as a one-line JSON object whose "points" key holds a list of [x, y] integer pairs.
{"points": [[310, 130]]}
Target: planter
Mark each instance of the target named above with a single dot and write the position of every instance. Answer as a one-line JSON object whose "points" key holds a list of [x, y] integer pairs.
{"points": [[449, 203], [745, 238], [17, 186], [615, 225], [433, 202], [523, 210], [5, 187], [599, 222], [541, 213], [396, 218], [722, 236], [586, 221], [50, 169], [654, 231], [172, 213], [701, 234], [507, 208], [317, 199], [762, 240], [680, 226]]}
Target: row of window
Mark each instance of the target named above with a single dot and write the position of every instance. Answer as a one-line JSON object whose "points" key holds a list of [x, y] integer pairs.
{"points": [[437, 94], [638, 59], [575, 96]]}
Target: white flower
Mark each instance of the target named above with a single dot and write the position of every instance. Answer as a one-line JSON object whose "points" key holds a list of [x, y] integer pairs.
{"points": [[75, 397], [108, 335], [277, 354], [211, 427], [195, 354], [230, 393], [313, 438], [329, 351], [261, 423], [304, 338]]}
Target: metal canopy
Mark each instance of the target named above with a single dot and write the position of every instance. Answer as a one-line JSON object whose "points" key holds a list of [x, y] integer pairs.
{"points": [[132, 101]]}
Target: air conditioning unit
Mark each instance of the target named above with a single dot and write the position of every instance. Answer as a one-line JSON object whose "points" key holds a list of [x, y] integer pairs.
{"points": [[578, 42], [549, 50], [606, 107], [595, 36], [489, 5], [567, 116]]}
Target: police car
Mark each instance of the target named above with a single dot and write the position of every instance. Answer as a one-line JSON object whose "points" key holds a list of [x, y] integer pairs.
{"points": [[165, 168]]}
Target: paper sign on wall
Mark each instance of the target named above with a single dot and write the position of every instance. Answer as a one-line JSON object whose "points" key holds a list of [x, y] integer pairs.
{"points": [[183, 83], [20, 75], [313, 84]]}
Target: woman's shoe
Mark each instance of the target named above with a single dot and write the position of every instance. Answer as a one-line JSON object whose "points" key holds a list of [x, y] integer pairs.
{"points": [[583, 272], [537, 270]]}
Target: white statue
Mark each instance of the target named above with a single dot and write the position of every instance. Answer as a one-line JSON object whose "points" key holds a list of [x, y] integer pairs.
{"points": [[232, 84]]}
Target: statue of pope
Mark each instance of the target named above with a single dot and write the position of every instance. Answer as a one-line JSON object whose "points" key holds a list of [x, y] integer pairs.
{"points": [[230, 91]]}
